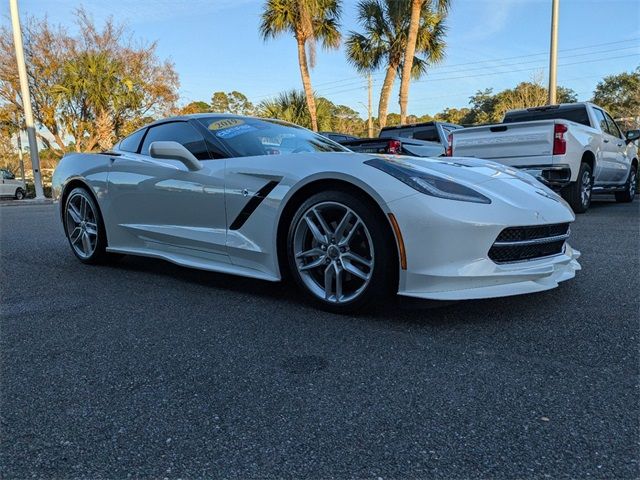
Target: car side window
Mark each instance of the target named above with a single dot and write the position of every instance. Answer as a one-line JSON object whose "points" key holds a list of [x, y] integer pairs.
{"points": [[181, 132], [613, 126], [132, 142], [604, 126], [7, 175]]}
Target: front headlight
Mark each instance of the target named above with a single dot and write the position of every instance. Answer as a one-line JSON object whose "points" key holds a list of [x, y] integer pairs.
{"points": [[427, 183]]}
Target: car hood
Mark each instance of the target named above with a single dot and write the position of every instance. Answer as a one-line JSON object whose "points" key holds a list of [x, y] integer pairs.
{"points": [[471, 171], [497, 182]]}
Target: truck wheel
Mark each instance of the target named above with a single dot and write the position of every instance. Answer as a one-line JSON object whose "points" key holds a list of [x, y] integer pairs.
{"points": [[578, 193], [629, 192]]}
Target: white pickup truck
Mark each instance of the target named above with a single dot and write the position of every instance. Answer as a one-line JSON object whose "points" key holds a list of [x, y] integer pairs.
{"points": [[576, 148]]}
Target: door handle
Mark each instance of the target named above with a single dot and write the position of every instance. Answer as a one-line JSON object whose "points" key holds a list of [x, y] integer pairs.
{"points": [[619, 144], [605, 140]]}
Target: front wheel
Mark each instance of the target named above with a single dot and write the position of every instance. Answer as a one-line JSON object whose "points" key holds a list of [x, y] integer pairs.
{"points": [[578, 193], [19, 194], [340, 253], [629, 192]]}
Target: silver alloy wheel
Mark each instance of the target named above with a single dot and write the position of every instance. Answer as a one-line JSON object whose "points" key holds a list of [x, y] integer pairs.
{"points": [[82, 226], [19, 194], [333, 252], [632, 183], [585, 191]]}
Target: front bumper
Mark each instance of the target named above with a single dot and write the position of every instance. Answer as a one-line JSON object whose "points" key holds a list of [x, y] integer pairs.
{"points": [[488, 280], [447, 245]]}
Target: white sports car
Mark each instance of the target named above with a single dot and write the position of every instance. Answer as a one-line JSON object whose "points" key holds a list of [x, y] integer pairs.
{"points": [[267, 199]]}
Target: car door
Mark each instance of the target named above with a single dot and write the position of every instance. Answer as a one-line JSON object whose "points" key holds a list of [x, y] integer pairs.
{"points": [[160, 205], [607, 161], [622, 159]]}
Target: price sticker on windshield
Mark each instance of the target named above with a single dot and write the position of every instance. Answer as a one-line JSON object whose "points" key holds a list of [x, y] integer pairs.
{"points": [[225, 123]]}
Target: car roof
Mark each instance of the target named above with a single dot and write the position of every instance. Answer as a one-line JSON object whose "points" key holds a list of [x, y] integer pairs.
{"points": [[189, 116]]}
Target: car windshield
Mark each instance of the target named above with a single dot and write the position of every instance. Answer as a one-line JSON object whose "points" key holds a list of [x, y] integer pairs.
{"points": [[246, 137]]}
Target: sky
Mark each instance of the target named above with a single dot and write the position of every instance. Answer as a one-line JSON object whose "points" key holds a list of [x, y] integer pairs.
{"points": [[215, 46]]}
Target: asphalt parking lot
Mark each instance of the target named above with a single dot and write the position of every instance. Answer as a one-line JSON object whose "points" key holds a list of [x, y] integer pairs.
{"points": [[146, 369]]}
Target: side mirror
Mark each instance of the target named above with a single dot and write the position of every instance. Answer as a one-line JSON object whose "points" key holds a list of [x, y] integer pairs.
{"points": [[174, 151], [632, 136]]}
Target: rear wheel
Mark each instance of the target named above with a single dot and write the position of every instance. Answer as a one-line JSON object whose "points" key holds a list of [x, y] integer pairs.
{"points": [[578, 193], [339, 252], [629, 192], [19, 194], [84, 227]]}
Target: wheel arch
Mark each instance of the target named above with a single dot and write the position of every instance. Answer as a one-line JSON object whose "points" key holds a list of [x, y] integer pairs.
{"points": [[589, 158], [297, 196], [78, 182]]}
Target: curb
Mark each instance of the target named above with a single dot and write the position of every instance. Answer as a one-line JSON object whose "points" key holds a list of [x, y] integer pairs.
{"points": [[26, 202]]}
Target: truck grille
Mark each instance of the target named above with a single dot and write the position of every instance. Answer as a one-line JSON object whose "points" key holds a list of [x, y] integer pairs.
{"points": [[517, 244]]}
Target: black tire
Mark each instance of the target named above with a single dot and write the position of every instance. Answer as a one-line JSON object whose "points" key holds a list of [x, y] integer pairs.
{"points": [[96, 254], [578, 193], [370, 241], [629, 192], [19, 194]]}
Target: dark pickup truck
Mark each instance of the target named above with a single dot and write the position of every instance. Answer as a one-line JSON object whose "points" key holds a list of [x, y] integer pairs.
{"points": [[429, 139]]}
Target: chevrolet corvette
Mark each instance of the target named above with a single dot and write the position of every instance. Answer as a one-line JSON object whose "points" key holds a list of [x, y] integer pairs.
{"points": [[267, 199]]}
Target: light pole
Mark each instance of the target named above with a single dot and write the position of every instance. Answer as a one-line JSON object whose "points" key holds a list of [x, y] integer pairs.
{"points": [[553, 55], [369, 107], [26, 98]]}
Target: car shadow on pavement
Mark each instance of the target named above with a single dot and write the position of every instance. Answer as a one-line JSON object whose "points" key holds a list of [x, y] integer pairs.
{"points": [[398, 309]]}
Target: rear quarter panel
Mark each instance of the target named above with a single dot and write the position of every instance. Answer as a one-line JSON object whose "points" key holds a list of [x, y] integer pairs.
{"points": [[90, 169]]}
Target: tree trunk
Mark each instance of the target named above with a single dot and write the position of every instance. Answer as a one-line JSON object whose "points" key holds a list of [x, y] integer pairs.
{"points": [[306, 83], [385, 93], [409, 53]]}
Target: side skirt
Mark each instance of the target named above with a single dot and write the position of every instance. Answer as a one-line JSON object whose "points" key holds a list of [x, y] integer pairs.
{"points": [[192, 262]]}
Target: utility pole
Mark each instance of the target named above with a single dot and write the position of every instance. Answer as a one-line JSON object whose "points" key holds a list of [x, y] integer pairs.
{"points": [[26, 99], [553, 56], [369, 107]]}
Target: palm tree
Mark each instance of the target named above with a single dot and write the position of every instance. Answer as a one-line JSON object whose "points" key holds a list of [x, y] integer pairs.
{"points": [[384, 42], [291, 107], [422, 12], [308, 21], [91, 88]]}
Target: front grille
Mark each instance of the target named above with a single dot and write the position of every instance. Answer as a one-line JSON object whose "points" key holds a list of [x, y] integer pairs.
{"points": [[517, 244]]}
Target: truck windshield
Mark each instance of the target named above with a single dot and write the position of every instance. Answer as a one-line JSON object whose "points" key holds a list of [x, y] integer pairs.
{"points": [[574, 114], [246, 137]]}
